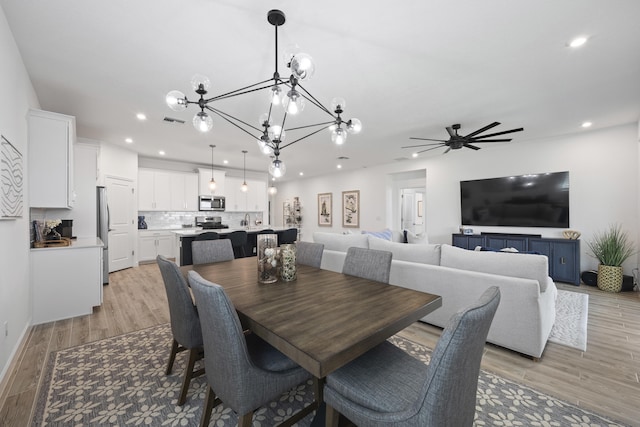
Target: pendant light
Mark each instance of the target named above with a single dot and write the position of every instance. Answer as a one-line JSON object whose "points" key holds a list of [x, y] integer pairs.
{"points": [[244, 186], [212, 183]]}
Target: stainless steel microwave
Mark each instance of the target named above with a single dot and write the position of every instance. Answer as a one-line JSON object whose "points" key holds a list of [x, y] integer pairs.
{"points": [[211, 203]]}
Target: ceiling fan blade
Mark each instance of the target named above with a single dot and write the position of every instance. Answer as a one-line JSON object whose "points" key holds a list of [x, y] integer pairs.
{"points": [[427, 139], [477, 141], [473, 147], [500, 133], [431, 148], [492, 125], [452, 132], [422, 145], [447, 150]]}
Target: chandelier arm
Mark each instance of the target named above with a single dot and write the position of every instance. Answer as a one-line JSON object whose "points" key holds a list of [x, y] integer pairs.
{"points": [[317, 103], [242, 90], [224, 116], [306, 136], [310, 126]]}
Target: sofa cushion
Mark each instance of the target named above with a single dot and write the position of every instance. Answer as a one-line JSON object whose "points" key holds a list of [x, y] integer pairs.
{"points": [[341, 242], [384, 234], [527, 266], [423, 254]]}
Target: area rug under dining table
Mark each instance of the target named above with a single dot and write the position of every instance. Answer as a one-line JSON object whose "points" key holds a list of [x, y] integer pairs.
{"points": [[121, 381]]}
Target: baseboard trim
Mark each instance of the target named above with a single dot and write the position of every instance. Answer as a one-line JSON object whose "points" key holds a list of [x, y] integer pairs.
{"points": [[14, 360]]}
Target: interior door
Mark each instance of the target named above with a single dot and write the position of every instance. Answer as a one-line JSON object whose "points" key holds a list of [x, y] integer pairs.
{"points": [[121, 221], [408, 211]]}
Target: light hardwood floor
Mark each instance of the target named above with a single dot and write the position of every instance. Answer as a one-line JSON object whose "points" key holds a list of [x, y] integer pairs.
{"points": [[604, 379]]}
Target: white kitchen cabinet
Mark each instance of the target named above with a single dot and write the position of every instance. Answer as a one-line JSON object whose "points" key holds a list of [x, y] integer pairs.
{"points": [[257, 196], [235, 199], [154, 190], [51, 139], [66, 282], [204, 178], [254, 200], [184, 191], [154, 243]]}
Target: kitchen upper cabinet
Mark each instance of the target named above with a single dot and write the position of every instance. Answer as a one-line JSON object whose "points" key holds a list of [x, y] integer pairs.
{"points": [[154, 243], [204, 176], [51, 139], [257, 196], [154, 190], [254, 200], [235, 199], [184, 191]]}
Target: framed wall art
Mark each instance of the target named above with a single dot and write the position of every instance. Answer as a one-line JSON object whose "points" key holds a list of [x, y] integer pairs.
{"points": [[325, 209], [351, 208], [11, 180]]}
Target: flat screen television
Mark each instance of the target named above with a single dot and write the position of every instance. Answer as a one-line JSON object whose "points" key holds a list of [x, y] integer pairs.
{"points": [[534, 200]]}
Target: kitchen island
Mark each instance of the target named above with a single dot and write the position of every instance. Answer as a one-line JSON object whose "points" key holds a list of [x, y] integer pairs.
{"points": [[184, 237]]}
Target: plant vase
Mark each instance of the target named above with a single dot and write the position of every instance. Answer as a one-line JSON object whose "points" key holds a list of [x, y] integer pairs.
{"points": [[267, 258], [609, 278], [288, 259]]}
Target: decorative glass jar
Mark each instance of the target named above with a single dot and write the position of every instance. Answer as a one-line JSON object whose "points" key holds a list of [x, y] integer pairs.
{"points": [[267, 258], [288, 260]]}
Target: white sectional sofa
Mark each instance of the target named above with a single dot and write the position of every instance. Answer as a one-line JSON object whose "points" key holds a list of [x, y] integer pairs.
{"points": [[526, 313]]}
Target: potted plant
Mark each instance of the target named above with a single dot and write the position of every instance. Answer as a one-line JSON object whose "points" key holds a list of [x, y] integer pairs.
{"points": [[611, 248]]}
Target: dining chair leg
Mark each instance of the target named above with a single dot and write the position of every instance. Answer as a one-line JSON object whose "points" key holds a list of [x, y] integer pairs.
{"points": [[210, 401], [245, 420], [332, 417], [172, 357], [188, 374]]}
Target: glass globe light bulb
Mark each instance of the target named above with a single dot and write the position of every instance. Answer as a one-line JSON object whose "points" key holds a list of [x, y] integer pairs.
{"points": [[277, 168], [272, 190], [302, 66], [294, 102], [277, 133], [176, 100], [199, 79], [202, 122], [212, 184], [275, 94], [338, 102], [244, 187], [264, 147], [339, 136], [354, 126]]}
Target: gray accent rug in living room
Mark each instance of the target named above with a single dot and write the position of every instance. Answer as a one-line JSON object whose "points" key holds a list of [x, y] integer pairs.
{"points": [[121, 381]]}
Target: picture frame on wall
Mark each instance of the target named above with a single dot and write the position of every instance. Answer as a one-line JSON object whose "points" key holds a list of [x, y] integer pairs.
{"points": [[351, 209], [325, 209], [11, 182]]}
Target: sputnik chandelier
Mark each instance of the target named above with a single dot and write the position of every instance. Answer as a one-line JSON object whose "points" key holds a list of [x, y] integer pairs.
{"points": [[270, 132]]}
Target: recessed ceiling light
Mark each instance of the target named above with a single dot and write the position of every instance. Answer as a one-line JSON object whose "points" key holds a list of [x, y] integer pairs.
{"points": [[414, 155], [162, 153], [586, 124], [226, 162], [141, 116], [301, 173], [339, 166], [128, 140], [577, 42]]}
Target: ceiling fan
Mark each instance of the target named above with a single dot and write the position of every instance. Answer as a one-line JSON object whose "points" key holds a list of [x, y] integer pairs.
{"points": [[456, 141]]}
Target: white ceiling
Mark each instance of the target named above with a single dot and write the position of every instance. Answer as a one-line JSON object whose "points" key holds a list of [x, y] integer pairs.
{"points": [[405, 70]]}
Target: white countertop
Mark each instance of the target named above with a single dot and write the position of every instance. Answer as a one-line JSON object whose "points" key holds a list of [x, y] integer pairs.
{"points": [[79, 243]]}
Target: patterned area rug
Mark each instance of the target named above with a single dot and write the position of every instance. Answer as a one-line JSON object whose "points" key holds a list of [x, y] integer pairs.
{"points": [[572, 312], [121, 381]]}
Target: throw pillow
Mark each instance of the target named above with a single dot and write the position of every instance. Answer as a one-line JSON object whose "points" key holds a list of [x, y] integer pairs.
{"points": [[416, 238], [384, 234]]}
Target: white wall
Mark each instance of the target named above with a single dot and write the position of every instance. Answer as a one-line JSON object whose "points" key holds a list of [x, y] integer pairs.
{"points": [[15, 295], [603, 168]]}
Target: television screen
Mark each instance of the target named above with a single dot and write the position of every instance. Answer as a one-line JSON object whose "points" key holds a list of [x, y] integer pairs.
{"points": [[535, 200]]}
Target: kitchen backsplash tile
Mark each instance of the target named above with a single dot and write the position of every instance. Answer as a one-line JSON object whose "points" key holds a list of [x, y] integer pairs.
{"points": [[162, 220]]}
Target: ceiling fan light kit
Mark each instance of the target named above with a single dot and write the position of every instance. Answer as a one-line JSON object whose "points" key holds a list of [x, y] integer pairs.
{"points": [[288, 93], [457, 141]]}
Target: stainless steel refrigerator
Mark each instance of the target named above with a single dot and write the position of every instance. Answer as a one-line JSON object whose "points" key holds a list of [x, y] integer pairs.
{"points": [[103, 231]]}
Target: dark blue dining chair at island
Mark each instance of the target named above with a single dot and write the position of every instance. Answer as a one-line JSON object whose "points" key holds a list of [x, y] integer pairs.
{"points": [[238, 242]]}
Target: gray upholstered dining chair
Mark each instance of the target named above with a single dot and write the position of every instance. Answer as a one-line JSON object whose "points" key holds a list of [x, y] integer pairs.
{"points": [[368, 263], [206, 251], [309, 253], [243, 371], [388, 387], [185, 324]]}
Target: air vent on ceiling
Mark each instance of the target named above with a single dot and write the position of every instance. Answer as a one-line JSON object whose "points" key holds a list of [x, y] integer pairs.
{"points": [[401, 159], [172, 120], [342, 158]]}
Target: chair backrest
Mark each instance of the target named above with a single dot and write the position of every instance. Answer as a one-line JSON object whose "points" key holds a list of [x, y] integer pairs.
{"points": [[266, 231], [185, 323], [206, 251], [289, 235], [368, 263], [452, 378], [308, 253], [228, 366], [209, 235], [238, 241]]}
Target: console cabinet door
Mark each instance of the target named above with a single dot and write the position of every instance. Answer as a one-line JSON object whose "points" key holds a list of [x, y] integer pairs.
{"points": [[564, 258]]}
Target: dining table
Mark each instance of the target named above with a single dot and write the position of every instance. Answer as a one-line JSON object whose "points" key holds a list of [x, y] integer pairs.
{"points": [[323, 319]]}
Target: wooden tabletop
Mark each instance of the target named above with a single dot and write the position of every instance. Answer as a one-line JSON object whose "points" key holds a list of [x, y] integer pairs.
{"points": [[323, 319]]}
